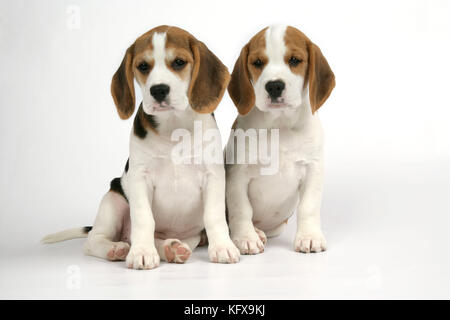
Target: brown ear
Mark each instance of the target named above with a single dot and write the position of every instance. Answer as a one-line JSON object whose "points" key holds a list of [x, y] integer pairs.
{"points": [[240, 88], [209, 79], [122, 86], [320, 78]]}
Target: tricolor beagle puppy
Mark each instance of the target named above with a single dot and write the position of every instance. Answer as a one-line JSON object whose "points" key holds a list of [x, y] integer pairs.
{"points": [[157, 206], [278, 83]]}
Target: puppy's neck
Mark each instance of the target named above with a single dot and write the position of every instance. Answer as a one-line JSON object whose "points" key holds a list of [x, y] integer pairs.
{"points": [[172, 120], [293, 119]]}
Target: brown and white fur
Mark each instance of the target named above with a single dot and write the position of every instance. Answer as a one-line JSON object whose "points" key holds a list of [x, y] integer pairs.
{"points": [[158, 207], [280, 60]]}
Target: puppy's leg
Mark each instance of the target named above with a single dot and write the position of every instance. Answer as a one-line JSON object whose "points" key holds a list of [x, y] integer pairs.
{"points": [[240, 213], [143, 253], [103, 239], [309, 237], [193, 242], [220, 249], [176, 251]]}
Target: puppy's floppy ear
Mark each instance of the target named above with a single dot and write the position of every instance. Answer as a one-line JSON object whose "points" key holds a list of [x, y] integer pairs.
{"points": [[122, 86], [320, 78], [209, 79], [240, 88]]}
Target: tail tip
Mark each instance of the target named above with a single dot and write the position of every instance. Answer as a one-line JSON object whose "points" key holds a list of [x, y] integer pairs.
{"points": [[66, 235]]}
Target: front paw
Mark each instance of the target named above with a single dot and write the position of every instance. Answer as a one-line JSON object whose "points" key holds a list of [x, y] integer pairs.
{"points": [[250, 243], [310, 241], [142, 257], [223, 252]]}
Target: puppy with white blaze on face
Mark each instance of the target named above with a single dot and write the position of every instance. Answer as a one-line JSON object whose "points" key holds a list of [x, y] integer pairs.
{"points": [[159, 209], [279, 82]]}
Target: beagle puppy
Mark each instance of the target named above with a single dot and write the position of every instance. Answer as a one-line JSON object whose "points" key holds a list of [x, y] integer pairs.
{"points": [[279, 82], [158, 207]]}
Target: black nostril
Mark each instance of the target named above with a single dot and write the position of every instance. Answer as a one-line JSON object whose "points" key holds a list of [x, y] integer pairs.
{"points": [[275, 88], [159, 91]]}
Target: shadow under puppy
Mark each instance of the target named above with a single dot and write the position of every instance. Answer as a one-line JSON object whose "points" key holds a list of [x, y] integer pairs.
{"points": [[278, 83], [158, 206]]}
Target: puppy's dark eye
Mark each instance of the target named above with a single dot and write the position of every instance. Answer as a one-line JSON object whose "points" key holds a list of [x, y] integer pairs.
{"points": [[293, 61], [143, 67], [178, 64], [258, 63]]}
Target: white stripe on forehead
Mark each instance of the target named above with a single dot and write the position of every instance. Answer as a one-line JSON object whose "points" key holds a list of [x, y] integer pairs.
{"points": [[159, 47], [275, 45]]}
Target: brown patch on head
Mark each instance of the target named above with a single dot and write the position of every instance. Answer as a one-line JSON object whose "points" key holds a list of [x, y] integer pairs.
{"points": [[296, 56], [314, 67], [248, 68], [187, 58], [257, 57], [178, 47], [143, 48]]}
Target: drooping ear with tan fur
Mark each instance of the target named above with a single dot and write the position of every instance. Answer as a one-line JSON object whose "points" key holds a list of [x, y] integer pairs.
{"points": [[320, 78], [209, 79], [122, 86], [240, 88]]}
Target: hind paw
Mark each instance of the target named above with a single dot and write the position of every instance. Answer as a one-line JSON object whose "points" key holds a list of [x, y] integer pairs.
{"points": [[176, 251], [118, 251]]}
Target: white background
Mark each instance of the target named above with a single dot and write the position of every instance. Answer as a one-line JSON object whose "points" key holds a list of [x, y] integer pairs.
{"points": [[386, 206]]}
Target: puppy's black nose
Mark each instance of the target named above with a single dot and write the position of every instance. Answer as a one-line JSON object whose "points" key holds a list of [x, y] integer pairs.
{"points": [[275, 88], [159, 91]]}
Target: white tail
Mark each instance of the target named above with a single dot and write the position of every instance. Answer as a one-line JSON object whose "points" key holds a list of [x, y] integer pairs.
{"points": [[67, 235]]}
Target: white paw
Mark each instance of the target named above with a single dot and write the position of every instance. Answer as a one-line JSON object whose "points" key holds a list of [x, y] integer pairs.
{"points": [[118, 251], [310, 241], [142, 257], [262, 235], [250, 243], [223, 252]]}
